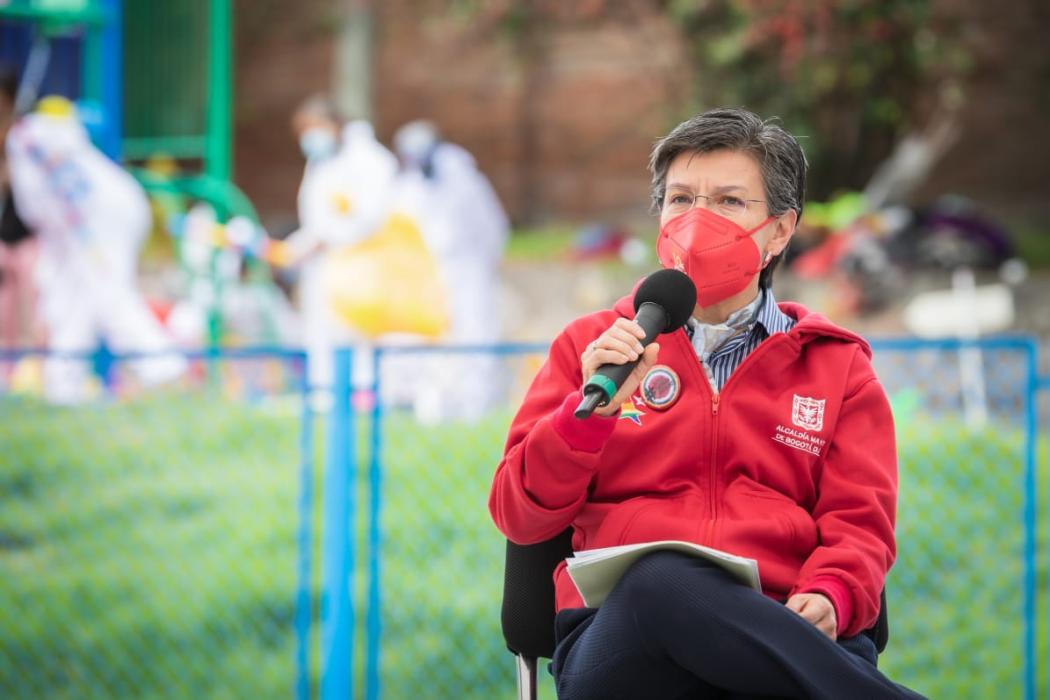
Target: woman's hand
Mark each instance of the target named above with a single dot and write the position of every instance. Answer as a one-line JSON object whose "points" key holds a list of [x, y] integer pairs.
{"points": [[816, 609], [620, 344]]}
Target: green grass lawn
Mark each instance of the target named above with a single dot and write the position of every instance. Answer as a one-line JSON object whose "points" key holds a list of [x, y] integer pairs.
{"points": [[1032, 243], [149, 550], [539, 244]]}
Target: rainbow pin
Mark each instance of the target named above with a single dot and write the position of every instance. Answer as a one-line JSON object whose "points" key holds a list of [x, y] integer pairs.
{"points": [[629, 411]]}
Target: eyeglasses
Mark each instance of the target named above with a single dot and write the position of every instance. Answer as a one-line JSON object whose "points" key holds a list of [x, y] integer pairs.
{"points": [[728, 205]]}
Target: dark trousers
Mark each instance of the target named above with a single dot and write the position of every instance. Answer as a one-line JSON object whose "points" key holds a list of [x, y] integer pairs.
{"points": [[677, 627]]}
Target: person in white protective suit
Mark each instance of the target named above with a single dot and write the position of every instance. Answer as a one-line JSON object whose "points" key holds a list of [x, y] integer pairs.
{"points": [[92, 218], [466, 229], [343, 200], [18, 322]]}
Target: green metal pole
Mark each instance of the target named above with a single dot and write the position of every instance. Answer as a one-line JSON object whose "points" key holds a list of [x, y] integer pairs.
{"points": [[102, 73], [91, 67], [217, 156], [220, 89]]}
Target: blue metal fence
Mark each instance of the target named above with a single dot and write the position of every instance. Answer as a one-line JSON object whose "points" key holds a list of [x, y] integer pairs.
{"points": [[967, 527], [991, 496], [413, 574]]}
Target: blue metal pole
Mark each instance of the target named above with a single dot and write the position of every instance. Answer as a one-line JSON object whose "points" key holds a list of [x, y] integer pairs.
{"points": [[337, 613], [375, 483], [303, 607], [1031, 408], [1038, 383], [104, 362]]}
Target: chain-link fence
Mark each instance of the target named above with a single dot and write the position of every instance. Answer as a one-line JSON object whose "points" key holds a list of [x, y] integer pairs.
{"points": [[962, 594], [441, 557], [159, 542], [148, 537], [961, 597]]}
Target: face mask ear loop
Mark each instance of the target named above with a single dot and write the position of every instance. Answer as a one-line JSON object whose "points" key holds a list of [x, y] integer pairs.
{"points": [[757, 228]]}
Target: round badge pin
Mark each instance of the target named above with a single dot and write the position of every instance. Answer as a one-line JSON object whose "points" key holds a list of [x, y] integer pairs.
{"points": [[660, 388]]}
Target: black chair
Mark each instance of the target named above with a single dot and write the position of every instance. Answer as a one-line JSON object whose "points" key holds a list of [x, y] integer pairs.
{"points": [[528, 606]]}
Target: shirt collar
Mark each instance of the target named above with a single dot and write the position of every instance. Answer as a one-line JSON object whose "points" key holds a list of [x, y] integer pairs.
{"points": [[770, 316], [713, 339], [709, 338], [740, 320]]}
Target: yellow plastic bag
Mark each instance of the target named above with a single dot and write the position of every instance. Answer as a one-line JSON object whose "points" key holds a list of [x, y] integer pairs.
{"points": [[388, 283]]}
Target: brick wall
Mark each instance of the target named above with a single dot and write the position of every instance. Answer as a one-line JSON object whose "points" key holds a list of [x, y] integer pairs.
{"points": [[284, 52], [561, 108], [1003, 156], [560, 111], [561, 118]]}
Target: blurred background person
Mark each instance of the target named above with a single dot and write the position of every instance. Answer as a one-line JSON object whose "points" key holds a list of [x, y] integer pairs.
{"points": [[466, 229], [343, 200], [92, 218], [17, 244]]}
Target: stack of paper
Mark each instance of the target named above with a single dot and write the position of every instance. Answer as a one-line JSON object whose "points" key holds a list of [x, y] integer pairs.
{"points": [[596, 571]]}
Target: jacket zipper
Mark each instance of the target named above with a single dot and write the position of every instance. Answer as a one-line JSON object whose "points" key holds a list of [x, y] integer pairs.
{"points": [[713, 486], [716, 400]]}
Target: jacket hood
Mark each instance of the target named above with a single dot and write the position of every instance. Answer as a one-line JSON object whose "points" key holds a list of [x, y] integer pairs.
{"points": [[810, 326]]}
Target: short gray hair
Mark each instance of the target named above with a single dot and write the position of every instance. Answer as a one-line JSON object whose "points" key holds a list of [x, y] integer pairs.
{"points": [[779, 156]]}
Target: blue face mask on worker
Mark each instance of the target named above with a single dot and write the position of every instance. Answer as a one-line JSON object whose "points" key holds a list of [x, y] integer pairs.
{"points": [[317, 143]]}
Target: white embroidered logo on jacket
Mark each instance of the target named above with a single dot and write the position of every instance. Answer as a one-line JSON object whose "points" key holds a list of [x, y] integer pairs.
{"points": [[808, 413]]}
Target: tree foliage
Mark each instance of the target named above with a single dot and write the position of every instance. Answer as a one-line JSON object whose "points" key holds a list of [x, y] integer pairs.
{"points": [[851, 76]]}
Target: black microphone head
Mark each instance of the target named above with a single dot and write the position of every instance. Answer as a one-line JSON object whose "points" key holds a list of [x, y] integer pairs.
{"points": [[673, 291]]}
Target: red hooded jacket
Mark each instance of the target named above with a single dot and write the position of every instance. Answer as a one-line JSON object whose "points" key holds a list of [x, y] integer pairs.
{"points": [[792, 464]]}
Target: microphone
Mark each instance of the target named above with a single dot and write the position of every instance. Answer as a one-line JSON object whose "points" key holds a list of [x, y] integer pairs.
{"points": [[663, 303]]}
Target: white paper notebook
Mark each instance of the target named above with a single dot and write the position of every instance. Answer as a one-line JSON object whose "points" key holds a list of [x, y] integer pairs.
{"points": [[596, 571]]}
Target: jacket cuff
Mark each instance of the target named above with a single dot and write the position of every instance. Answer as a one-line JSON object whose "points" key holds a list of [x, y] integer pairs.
{"points": [[836, 590], [587, 435]]}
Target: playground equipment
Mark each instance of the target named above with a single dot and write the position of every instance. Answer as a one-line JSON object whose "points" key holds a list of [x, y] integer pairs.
{"points": [[157, 78]]}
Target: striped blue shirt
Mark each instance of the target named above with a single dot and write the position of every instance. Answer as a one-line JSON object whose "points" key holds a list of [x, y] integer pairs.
{"points": [[742, 333]]}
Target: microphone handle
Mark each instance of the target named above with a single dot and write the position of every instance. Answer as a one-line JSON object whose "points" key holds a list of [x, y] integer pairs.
{"points": [[603, 385], [588, 404]]}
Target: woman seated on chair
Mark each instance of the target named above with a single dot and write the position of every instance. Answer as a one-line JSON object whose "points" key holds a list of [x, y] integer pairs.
{"points": [[759, 429]]}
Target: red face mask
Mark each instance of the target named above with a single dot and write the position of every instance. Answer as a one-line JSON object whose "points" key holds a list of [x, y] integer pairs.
{"points": [[718, 255]]}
